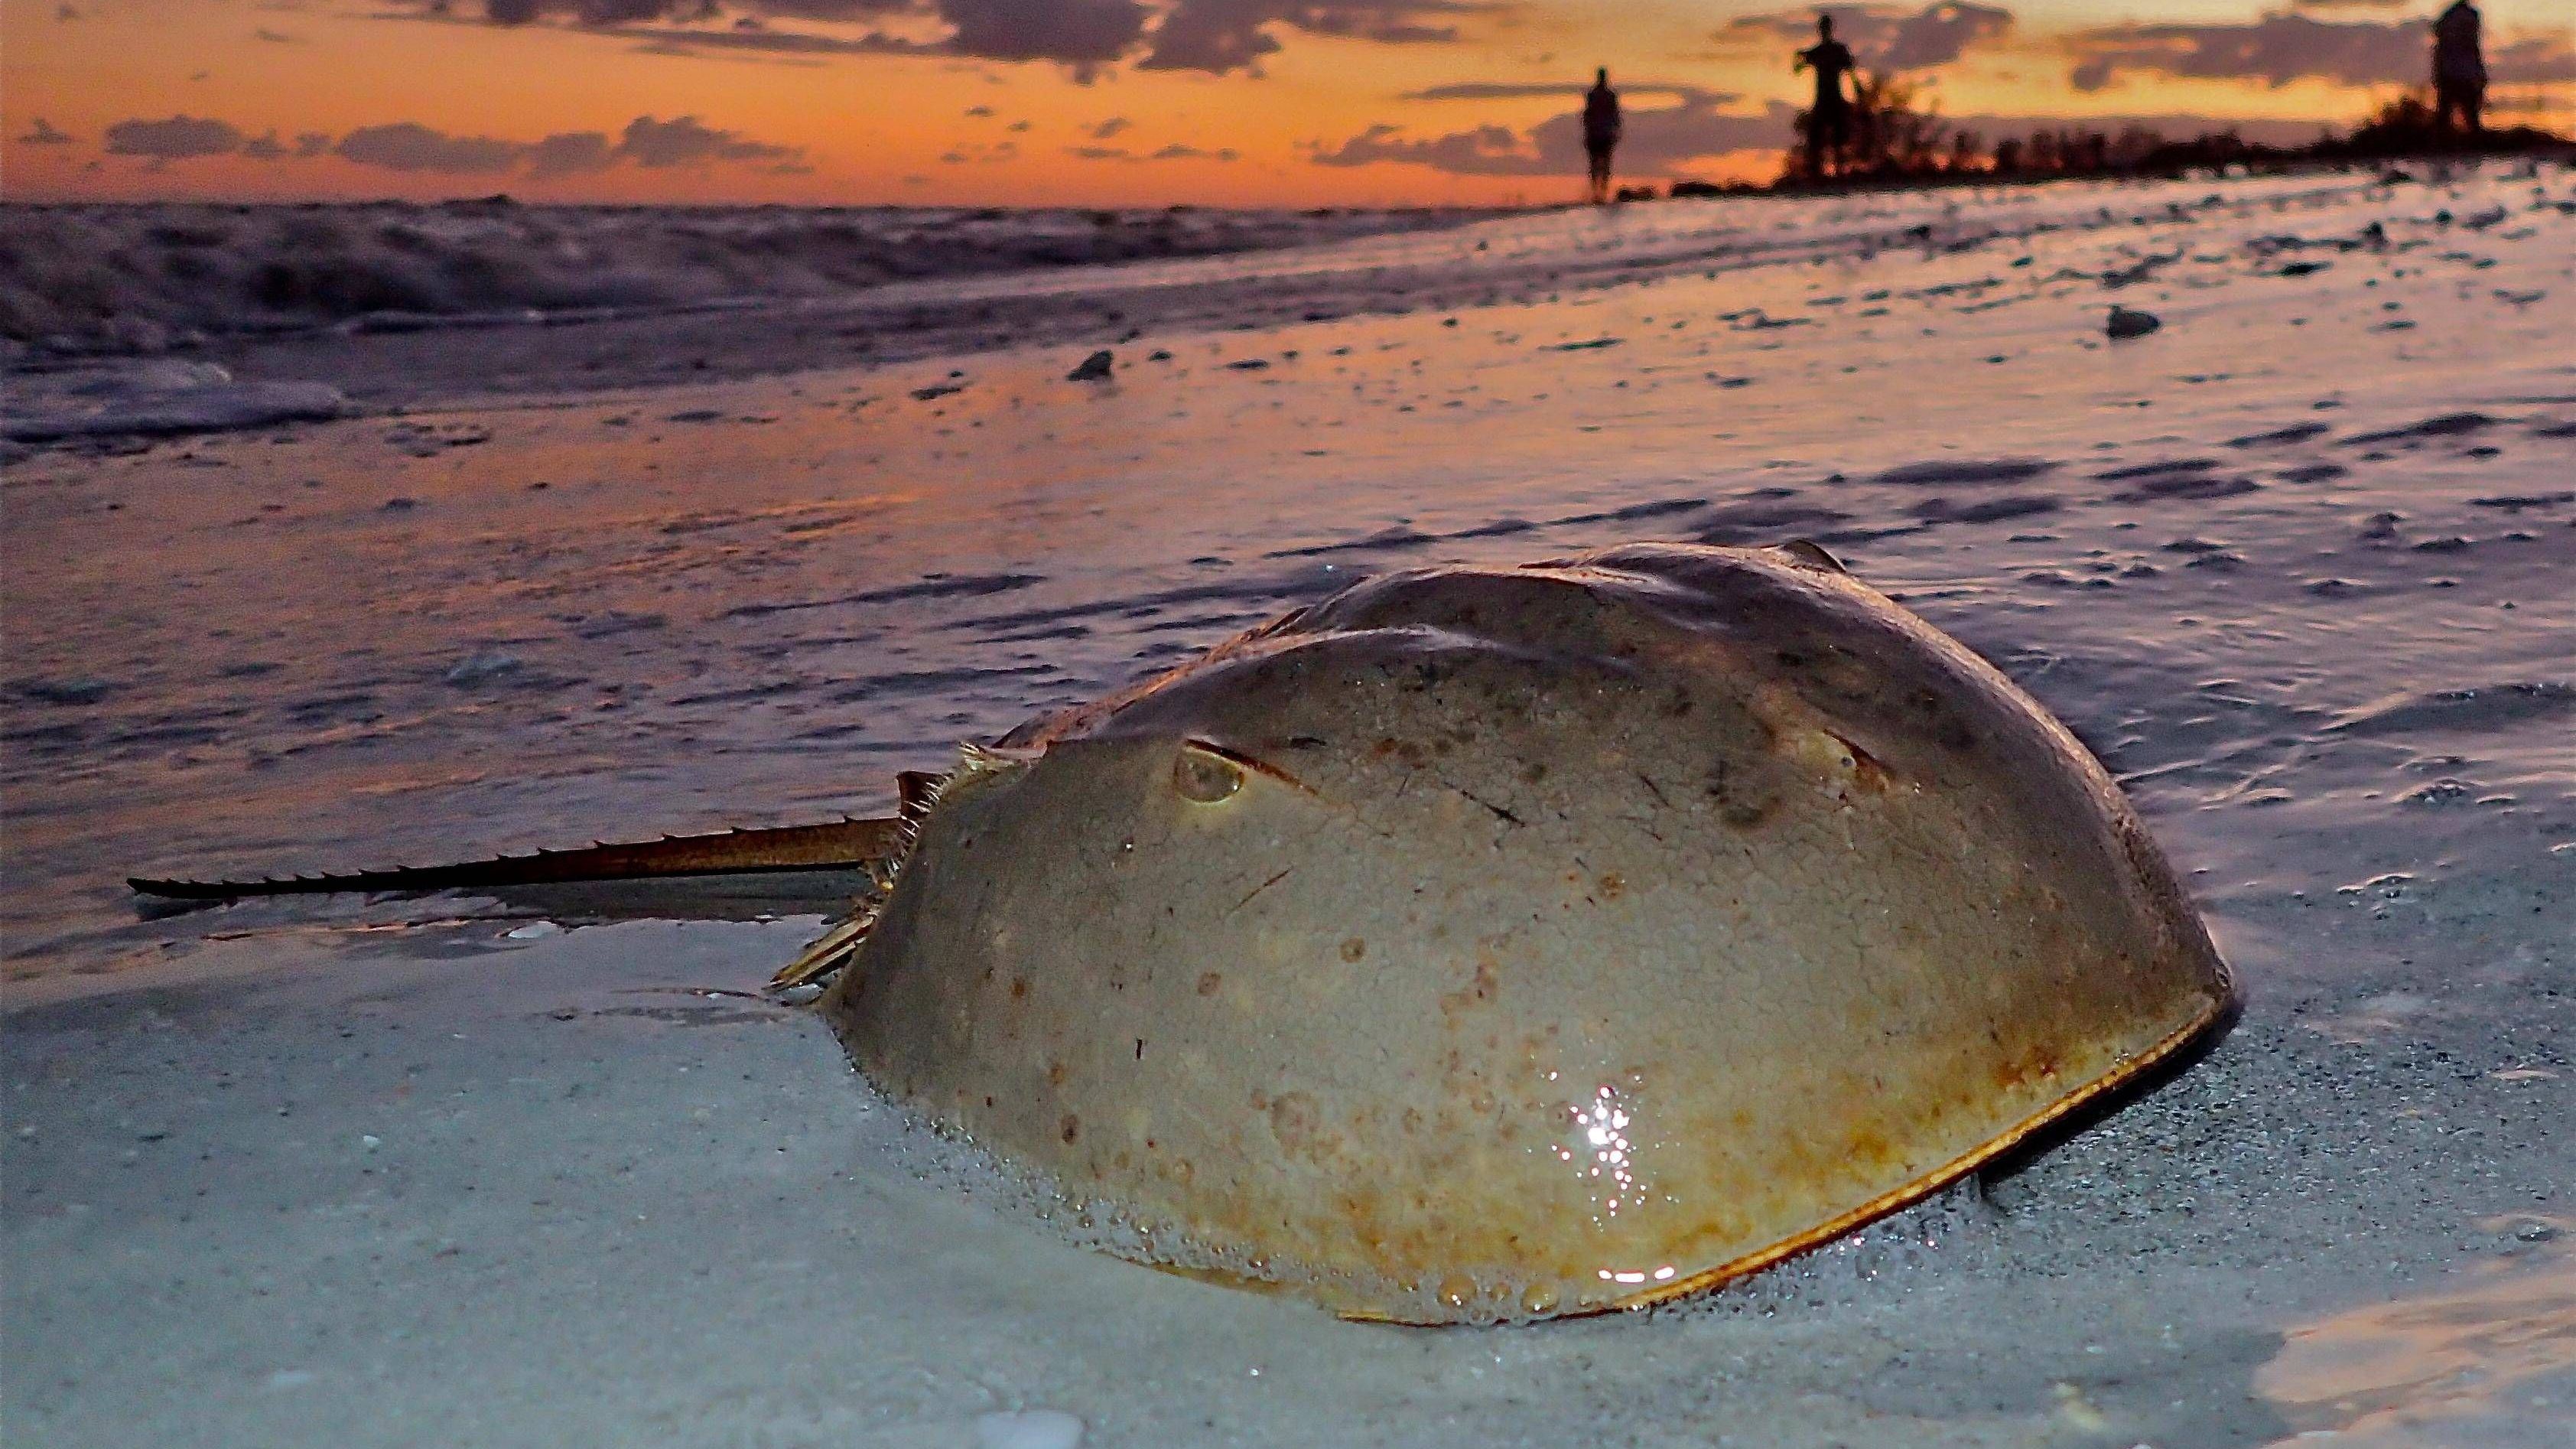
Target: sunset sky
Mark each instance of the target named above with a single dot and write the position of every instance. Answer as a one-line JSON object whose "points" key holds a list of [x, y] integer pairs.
{"points": [[1021, 102]]}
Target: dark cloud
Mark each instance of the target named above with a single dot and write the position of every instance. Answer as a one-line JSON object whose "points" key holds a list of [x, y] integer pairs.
{"points": [[1108, 130], [1221, 36], [187, 138], [1942, 33], [1082, 34], [180, 138], [1889, 37], [1657, 139], [1484, 151], [684, 141], [2277, 49], [611, 14], [597, 12], [1506, 91], [570, 153], [411, 146], [832, 10], [42, 133], [1085, 36], [276, 37], [676, 40], [1174, 152], [2538, 59], [2285, 47]]}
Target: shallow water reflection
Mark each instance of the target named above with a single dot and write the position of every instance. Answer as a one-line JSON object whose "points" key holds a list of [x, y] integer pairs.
{"points": [[2491, 1362]]}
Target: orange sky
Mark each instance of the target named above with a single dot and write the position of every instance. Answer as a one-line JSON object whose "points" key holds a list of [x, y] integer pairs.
{"points": [[792, 108]]}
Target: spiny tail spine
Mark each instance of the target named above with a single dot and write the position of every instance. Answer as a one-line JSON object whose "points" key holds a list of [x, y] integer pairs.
{"points": [[850, 844]]}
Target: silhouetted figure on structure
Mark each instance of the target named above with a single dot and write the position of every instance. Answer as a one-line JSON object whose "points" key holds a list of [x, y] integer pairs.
{"points": [[1600, 131], [1829, 121], [2459, 69]]}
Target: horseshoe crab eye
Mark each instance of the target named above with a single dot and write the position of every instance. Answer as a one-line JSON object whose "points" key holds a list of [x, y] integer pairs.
{"points": [[1203, 775]]}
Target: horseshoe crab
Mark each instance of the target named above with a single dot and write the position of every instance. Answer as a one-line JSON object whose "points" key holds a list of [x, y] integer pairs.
{"points": [[1508, 943]]}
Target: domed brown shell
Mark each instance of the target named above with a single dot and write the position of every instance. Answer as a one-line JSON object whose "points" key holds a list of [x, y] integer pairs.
{"points": [[1493, 943]]}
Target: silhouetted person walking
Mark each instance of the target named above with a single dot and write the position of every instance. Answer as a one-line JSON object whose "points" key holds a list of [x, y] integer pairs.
{"points": [[2459, 69], [1600, 131], [1829, 120]]}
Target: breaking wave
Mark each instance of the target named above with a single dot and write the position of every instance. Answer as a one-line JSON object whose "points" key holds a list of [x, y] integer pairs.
{"points": [[141, 278]]}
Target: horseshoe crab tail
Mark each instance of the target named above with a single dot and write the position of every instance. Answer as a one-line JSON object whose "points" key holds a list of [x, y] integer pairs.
{"points": [[853, 844], [874, 847]]}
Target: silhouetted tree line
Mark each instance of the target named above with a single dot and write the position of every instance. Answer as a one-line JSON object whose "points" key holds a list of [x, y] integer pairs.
{"points": [[1899, 138]]}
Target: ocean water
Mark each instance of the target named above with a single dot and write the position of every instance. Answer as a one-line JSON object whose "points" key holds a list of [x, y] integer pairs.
{"points": [[88, 279]]}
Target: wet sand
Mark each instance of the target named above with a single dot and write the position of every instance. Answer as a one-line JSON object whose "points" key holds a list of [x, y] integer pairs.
{"points": [[2299, 566]]}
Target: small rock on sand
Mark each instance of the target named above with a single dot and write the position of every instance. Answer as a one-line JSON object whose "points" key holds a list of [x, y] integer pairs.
{"points": [[1094, 368], [1028, 1429], [2130, 322]]}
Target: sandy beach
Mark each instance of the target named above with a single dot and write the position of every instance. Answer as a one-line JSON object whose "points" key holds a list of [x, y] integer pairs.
{"points": [[2299, 566]]}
